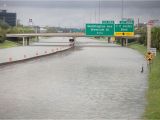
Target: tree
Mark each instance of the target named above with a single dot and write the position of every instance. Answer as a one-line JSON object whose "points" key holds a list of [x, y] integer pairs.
{"points": [[4, 25], [156, 37], [3, 30], [51, 30]]}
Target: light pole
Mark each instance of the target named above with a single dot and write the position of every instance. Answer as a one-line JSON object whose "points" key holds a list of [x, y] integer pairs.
{"points": [[99, 11], [95, 16], [122, 10]]}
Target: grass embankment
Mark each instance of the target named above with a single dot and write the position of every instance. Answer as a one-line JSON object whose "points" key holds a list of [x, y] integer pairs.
{"points": [[8, 44], [152, 111]]}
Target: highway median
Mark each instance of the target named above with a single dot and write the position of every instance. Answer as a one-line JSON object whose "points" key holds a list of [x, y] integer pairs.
{"points": [[21, 53]]}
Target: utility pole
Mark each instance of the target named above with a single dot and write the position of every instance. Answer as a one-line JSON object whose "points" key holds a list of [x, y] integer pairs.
{"points": [[138, 24], [95, 15], [149, 27], [122, 10], [122, 39]]}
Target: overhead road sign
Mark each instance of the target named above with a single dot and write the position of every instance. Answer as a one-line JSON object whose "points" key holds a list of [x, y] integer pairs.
{"points": [[124, 29], [107, 22], [126, 22], [99, 30]]}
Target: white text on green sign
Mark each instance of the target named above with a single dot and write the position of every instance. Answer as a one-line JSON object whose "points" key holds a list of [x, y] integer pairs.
{"points": [[124, 28], [99, 29], [107, 22]]}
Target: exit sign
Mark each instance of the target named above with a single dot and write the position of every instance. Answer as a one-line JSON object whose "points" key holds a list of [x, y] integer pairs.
{"points": [[124, 29]]}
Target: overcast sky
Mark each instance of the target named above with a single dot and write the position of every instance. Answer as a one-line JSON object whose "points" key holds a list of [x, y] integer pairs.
{"points": [[75, 13]]}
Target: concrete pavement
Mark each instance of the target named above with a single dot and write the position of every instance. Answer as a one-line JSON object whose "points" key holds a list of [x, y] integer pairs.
{"points": [[9, 55], [22, 53]]}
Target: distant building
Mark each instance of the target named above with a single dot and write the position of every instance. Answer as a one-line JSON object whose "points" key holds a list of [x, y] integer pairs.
{"points": [[9, 18]]}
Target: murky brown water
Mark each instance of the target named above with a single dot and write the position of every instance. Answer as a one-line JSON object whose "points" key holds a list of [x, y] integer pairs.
{"points": [[82, 83]]}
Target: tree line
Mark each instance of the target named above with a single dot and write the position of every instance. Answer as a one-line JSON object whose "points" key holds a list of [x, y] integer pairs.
{"points": [[155, 36], [5, 28]]}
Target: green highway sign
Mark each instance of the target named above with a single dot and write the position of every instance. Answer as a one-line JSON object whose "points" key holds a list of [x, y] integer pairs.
{"points": [[126, 22], [124, 29], [109, 28], [107, 22], [99, 29]]}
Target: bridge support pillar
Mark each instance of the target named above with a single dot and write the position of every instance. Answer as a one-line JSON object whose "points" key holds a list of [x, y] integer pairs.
{"points": [[27, 40], [23, 41], [126, 42], [37, 38], [122, 41], [109, 39]]}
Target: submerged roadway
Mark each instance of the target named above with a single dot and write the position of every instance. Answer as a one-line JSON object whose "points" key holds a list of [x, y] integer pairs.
{"points": [[81, 83]]}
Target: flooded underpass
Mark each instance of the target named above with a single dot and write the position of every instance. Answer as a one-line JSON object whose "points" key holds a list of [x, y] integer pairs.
{"points": [[81, 83]]}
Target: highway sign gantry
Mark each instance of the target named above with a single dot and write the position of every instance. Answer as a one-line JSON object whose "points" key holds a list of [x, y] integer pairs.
{"points": [[99, 30], [109, 28]]}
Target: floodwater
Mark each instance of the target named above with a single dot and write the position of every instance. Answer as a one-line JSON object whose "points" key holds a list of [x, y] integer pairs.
{"points": [[81, 83]]}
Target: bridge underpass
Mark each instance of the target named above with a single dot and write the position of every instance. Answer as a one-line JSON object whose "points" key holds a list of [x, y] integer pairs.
{"points": [[26, 37]]}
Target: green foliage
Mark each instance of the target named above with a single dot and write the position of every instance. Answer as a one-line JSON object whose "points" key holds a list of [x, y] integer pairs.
{"points": [[8, 44], [2, 35], [152, 111], [156, 37], [51, 30], [20, 29], [143, 32], [140, 47], [3, 30], [3, 25], [153, 94]]}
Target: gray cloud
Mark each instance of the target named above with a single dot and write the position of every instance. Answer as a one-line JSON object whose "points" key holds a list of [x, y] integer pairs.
{"points": [[80, 4], [76, 13]]}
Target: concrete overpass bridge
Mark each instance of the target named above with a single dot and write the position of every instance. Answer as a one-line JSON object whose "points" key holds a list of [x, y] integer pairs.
{"points": [[26, 36]]}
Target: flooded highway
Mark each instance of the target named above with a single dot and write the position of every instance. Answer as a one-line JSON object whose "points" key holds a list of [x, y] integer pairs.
{"points": [[81, 83]]}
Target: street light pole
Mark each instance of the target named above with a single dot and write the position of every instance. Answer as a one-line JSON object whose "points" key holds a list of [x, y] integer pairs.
{"points": [[99, 11], [122, 9], [95, 15]]}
